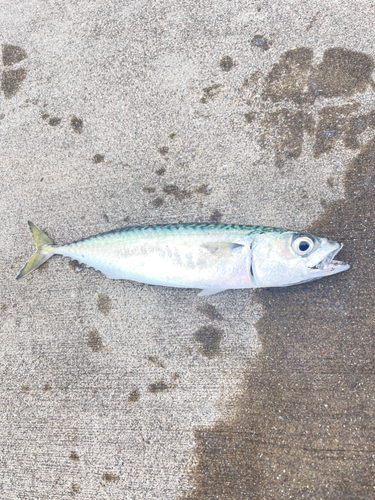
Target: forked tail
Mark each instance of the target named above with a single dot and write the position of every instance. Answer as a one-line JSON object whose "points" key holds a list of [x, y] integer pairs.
{"points": [[43, 253]]}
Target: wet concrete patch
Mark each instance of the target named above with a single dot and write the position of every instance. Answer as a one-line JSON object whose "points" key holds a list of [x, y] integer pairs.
{"points": [[304, 424], [158, 386], [134, 396], [94, 340], [104, 304], [11, 81], [226, 63], [300, 87], [76, 124], [209, 339], [12, 54], [210, 312]]}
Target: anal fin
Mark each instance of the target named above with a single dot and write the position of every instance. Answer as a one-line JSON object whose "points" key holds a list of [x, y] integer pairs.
{"points": [[210, 291]]}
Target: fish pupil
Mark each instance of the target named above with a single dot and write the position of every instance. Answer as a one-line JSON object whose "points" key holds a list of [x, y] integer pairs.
{"points": [[304, 246]]}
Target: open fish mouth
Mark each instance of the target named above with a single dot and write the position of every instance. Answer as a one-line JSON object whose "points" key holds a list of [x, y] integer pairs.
{"points": [[329, 264]]}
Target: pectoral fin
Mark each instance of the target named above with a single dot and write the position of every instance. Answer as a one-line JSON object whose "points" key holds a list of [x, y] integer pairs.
{"points": [[210, 291], [222, 248]]}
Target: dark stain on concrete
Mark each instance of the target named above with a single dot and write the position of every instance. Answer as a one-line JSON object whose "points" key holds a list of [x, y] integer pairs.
{"points": [[75, 489], [288, 77], [54, 121], [45, 116], [226, 63], [76, 124], [148, 190], [160, 171], [296, 83], [12, 54], [105, 217], [134, 396], [94, 340], [333, 126], [104, 304], [156, 361], [158, 202], [47, 387], [210, 93], [163, 150], [110, 477], [261, 42], [158, 386], [178, 193], [304, 426], [172, 135], [11, 81], [285, 133], [209, 339], [98, 158], [216, 216], [25, 389], [342, 73], [74, 456], [250, 117], [210, 311]]}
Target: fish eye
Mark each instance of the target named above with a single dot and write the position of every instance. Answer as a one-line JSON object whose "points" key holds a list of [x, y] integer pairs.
{"points": [[303, 245]]}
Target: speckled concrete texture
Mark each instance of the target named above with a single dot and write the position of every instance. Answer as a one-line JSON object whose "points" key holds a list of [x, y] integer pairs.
{"points": [[117, 114]]}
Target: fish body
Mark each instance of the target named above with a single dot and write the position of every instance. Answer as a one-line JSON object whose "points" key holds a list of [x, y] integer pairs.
{"points": [[212, 257]]}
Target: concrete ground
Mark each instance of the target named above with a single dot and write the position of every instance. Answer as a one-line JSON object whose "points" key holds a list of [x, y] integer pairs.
{"points": [[251, 112]]}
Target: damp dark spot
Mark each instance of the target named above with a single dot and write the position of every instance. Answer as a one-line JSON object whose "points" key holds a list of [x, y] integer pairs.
{"points": [[13, 54], [75, 488], [342, 73], [109, 477], [285, 133], [76, 124], [332, 126], [25, 389], [202, 189], [126, 219], [160, 171], [156, 361], [104, 304], [288, 77], [158, 202], [210, 311], [11, 81], [54, 121], [216, 216], [260, 42], [148, 190], [94, 340], [163, 150], [134, 396], [175, 376], [250, 117], [45, 116], [159, 386], [75, 265], [178, 193], [98, 158], [3, 307], [47, 387], [305, 413], [74, 456], [105, 217], [226, 63], [209, 339], [172, 135], [210, 93]]}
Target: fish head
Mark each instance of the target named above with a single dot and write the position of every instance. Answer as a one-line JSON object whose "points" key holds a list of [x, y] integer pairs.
{"points": [[288, 258]]}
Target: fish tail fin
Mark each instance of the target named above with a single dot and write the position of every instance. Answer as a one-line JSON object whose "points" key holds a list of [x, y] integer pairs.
{"points": [[43, 253]]}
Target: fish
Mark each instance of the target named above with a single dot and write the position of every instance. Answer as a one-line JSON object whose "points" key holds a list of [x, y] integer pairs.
{"points": [[211, 257]]}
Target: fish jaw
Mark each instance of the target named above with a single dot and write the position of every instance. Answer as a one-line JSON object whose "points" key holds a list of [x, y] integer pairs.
{"points": [[328, 266]]}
